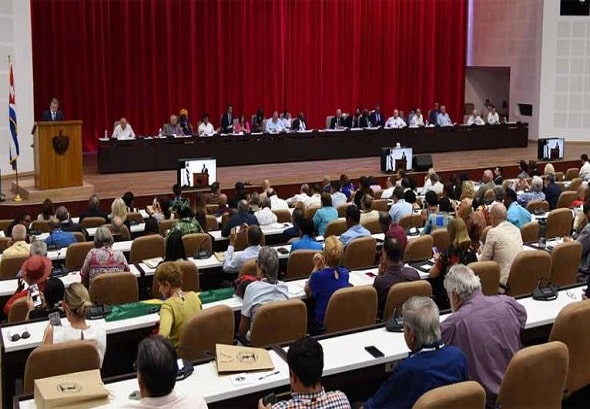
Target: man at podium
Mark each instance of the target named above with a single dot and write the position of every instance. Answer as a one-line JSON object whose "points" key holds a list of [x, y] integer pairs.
{"points": [[53, 113]]}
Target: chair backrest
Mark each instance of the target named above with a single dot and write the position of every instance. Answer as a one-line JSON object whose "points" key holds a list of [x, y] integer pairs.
{"points": [[165, 225], [299, 264], [90, 222], [211, 208], [194, 242], [114, 288], [441, 239], [5, 224], [248, 268], [489, 276], [242, 240], [342, 209], [418, 249], [559, 176], [76, 254], [411, 220], [565, 261], [380, 205], [146, 247], [351, 307], [530, 232], [4, 243], [399, 293], [40, 226], [572, 173], [360, 253], [575, 184], [135, 217], [278, 322], [80, 237], [535, 377], [484, 233], [469, 394], [537, 205], [565, 199], [571, 328], [211, 223], [211, 326], [373, 226], [121, 234], [377, 195], [336, 227], [328, 120], [310, 211], [190, 278], [56, 359], [18, 310], [559, 223], [527, 269], [224, 219], [9, 266], [283, 215]]}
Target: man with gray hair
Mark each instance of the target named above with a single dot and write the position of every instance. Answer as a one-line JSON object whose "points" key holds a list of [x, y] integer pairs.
{"points": [[302, 196], [19, 245], [486, 329], [431, 363], [66, 224], [487, 182], [267, 289], [535, 192], [94, 210]]}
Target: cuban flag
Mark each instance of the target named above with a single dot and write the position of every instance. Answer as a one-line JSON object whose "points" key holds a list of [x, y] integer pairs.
{"points": [[13, 149]]}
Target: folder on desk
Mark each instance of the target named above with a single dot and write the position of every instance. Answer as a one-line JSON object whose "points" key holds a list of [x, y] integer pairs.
{"points": [[153, 262], [231, 358]]}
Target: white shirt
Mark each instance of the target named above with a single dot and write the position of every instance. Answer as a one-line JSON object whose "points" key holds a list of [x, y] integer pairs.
{"points": [[314, 199], [493, 118], [278, 203], [299, 197], [416, 121], [475, 120], [585, 171], [95, 332], [265, 216], [275, 127], [205, 129], [120, 133], [338, 199], [387, 193], [395, 122], [437, 187], [287, 122], [170, 401]]}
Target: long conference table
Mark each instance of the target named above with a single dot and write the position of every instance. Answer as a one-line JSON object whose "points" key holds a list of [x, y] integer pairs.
{"points": [[153, 153]]}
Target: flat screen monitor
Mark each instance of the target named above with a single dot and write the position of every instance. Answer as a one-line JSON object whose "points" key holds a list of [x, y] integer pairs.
{"points": [[550, 148], [196, 173], [390, 155]]}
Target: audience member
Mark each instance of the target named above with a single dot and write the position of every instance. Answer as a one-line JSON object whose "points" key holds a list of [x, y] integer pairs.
{"points": [[151, 226], [18, 243], [128, 198], [316, 196], [51, 297], [393, 230], [178, 201], [585, 169], [523, 168], [307, 241], [186, 224], [302, 196], [213, 196], [232, 262], [390, 184], [478, 324], [552, 191], [584, 239], [364, 189], [23, 218], [118, 229], [535, 192], [400, 207], [59, 238], [338, 198], [174, 247], [434, 184], [516, 214], [324, 214], [239, 194], [265, 215], [47, 210], [66, 224], [433, 219], [368, 215], [94, 210], [102, 258], [582, 193], [346, 186], [498, 175], [276, 203], [34, 270], [445, 204], [431, 363], [292, 232], [326, 184], [487, 182], [355, 230]]}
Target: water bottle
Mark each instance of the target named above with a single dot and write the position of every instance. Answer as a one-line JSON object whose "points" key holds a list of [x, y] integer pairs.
{"points": [[542, 233], [160, 132], [106, 134]]}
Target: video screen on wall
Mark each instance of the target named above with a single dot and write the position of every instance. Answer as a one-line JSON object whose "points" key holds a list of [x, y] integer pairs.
{"points": [[389, 156], [195, 173], [550, 148]]}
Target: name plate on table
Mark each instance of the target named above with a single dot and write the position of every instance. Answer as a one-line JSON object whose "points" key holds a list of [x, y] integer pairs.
{"points": [[231, 358]]}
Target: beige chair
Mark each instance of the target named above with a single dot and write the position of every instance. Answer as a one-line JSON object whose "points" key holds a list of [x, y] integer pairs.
{"points": [[335, 228], [418, 249], [4, 243], [212, 223], [411, 220], [527, 269], [80, 237], [5, 224], [489, 276], [9, 266], [575, 184], [373, 226], [565, 261], [41, 226], [283, 215], [19, 310], [377, 195], [147, 247], [310, 211], [441, 239], [466, 395], [572, 173], [56, 359], [359, 253], [559, 176], [380, 205], [351, 307], [211, 209], [76, 254], [114, 288], [537, 206], [215, 325], [224, 219], [559, 223], [484, 233], [91, 222], [190, 278], [165, 225], [535, 377], [399, 293], [242, 240], [571, 328], [342, 209], [530, 232], [299, 264], [279, 322], [135, 217], [121, 234], [195, 242], [566, 198]]}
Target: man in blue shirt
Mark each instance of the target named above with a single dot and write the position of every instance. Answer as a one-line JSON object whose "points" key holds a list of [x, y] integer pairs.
{"points": [[516, 214], [400, 207], [233, 261], [431, 363], [242, 217], [59, 238], [443, 118], [355, 230], [306, 242], [274, 124]]}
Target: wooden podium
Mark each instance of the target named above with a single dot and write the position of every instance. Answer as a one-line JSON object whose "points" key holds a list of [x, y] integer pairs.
{"points": [[58, 154], [200, 180]]}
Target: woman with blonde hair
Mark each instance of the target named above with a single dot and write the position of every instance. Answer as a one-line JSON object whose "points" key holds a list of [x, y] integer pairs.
{"points": [[459, 252], [549, 169], [327, 277], [179, 307], [76, 304], [467, 190], [119, 209]]}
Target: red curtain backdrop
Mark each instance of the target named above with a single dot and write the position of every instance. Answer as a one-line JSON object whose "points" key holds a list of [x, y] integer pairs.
{"points": [[147, 59]]}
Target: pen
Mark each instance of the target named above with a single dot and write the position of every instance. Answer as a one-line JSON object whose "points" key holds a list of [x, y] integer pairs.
{"points": [[270, 374]]}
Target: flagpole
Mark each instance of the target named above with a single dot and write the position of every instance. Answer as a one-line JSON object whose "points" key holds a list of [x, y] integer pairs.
{"points": [[18, 197]]}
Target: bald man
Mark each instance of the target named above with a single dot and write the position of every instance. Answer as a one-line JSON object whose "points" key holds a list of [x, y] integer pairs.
{"points": [[266, 186], [339, 121], [487, 182], [19, 246], [503, 242], [123, 130]]}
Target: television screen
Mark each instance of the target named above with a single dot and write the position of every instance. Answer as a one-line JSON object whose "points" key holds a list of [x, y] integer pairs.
{"points": [[389, 156], [550, 148], [196, 173]]}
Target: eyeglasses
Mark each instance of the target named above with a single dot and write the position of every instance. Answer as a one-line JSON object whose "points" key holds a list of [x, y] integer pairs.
{"points": [[15, 337]]}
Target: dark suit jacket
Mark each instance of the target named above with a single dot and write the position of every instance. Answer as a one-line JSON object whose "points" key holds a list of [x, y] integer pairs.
{"points": [[343, 122], [296, 124], [237, 220], [70, 226], [377, 122], [46, 116], [364, 122], [94, 213], [499, 180], [226, 123]]}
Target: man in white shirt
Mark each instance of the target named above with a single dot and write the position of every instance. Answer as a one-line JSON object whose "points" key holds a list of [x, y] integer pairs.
{"points": [[265, 215], [475, 119], [315, 198], [276, 203], [287, 120], [389, 186], [493, 117], [416, 119], [274, 124], [585, 169], [302, 196], [434, 184], [123, 130], [205, 127], [338, 198], [443, 118], [395, 121], [157, 369]]}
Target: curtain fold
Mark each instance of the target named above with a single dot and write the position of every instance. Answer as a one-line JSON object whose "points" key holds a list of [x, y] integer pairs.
{"points": [[147, 59]]}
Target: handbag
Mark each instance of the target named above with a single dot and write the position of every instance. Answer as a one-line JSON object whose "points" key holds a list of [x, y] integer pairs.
{"points": [[545, 292]]}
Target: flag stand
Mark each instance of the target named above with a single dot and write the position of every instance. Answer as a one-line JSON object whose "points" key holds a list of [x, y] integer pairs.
{"points": [[18, 197]]}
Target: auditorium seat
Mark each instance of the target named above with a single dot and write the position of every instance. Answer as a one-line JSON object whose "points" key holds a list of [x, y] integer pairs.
{"points": [[18, 310], [279, 322], [535, 377], [91, 222], [559, 223], [359, 253], [165, 225], [342, 209], [195, 242], [559, 176], [566, 198], [489, 276], [215, 325], [299, 264], [190, 280], [530, 232], [56, 359], [76, 254], [571, 327], [373, 226], [224, 219], [527, 269], [467, 395], [418, 249], [484, 234], [399, 293], [336, 227], [575, 184], [411, 220], [41, 226], [4, 243], [377, 196], [538, 206], [211, 209], [310, 211], [572, 173], [283, 215], [380, 205], [146, 247], [242, 240], [211, 223], [114, 288], [80, 237], [9, 266], [135, 217], [565, 261], [350, 308], [441, 239]]}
